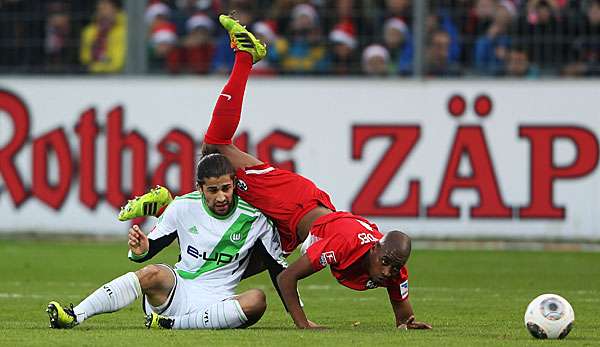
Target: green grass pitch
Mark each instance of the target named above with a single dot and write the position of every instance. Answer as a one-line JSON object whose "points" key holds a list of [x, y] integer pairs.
{"points": [[472, 298]]}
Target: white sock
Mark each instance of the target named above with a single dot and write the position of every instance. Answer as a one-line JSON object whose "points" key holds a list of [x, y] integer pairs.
{"points": [[111, 297], [226, 314]]}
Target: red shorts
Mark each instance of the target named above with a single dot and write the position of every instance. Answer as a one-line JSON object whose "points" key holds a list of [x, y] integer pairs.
{"points": [[283, 196]]}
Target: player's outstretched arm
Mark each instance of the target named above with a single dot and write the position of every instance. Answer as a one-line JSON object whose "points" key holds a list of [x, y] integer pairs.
{"points": [[238, 158], [288, 284], [405, 317]]}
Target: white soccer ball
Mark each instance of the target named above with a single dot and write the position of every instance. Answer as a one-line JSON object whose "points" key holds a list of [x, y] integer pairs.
{"points": [[549, 316]]}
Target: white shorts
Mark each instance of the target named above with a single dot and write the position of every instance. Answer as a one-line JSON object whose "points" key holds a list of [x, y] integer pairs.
{"points": [[187, 296]]}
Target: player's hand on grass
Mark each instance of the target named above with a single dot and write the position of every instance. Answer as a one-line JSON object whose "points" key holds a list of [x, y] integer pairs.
{"points": [[313, 325], [138, 241], [412, 324]]}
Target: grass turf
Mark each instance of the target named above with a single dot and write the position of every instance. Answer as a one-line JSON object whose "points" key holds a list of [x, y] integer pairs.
{"points": [[472, 298]]}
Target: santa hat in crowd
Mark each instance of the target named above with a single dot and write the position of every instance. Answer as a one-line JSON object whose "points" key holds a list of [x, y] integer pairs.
{"points": [[163, 33], [397, 24], [344, 33], [267, 29], [375, 50], [199, 20], [509, 6], [305, 10], [156, 9]]}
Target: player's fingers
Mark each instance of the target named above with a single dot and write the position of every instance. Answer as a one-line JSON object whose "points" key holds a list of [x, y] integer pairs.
{"points": [[133, 235], [142, 236], [419, 325]]}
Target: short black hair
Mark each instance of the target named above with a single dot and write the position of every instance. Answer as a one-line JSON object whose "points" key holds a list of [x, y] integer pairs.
{"points": [[213, 165]]}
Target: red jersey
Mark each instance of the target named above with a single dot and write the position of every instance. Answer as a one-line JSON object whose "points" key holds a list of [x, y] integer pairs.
{"points": [[283, 196], [340, 240]]}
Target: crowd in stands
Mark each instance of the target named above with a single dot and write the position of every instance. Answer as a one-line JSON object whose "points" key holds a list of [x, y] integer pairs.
{"points": [[518, 38]]}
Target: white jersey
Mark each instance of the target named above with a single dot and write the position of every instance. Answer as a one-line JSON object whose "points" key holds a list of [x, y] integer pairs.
{"points": [[215, 249]]}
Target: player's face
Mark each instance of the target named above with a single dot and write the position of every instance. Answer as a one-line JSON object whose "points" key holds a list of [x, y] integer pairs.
{"points": [[218, 193], [381, 266]]}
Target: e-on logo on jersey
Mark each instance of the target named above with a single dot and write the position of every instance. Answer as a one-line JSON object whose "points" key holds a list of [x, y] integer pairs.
{"points": [[218, 257]]}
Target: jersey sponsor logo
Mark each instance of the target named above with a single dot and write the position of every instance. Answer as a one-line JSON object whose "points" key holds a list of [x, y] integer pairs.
{"points": [[327, 258], [193, 230], [404, 289], [217, 257], [371, 285], [366, 238], [242, 185]]}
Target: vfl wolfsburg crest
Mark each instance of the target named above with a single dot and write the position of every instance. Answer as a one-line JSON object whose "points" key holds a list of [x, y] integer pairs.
{"points": [[235, 237], [193, 230]]}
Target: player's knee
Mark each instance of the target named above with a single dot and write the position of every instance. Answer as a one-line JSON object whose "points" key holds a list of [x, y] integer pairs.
{"points": [[150, 277], [254, 304]]}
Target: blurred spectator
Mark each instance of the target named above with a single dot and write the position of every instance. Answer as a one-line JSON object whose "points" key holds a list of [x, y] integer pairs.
{"points": [[343, 51], [375, 60], [197, 49], [103, 42], [539, 30], [491, 48], [305, 51], [59, 48], [185, 9], [164, 53], [398, 8], [223, 59], [585, 49], [437, 62], [398, 42], [22, 35], [157, 13], [518, 64], [351, 11], [266, 31], [441, 20]]}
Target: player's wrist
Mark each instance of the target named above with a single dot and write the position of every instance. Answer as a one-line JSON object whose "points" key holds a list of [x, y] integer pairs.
{"points": [[135, 256]]}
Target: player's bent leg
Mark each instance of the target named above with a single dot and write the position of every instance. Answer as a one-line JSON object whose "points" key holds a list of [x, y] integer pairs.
{"points": [[254, 305], [226, 314], [111, 297], [157, 283], [152, 203], [238, 158]]}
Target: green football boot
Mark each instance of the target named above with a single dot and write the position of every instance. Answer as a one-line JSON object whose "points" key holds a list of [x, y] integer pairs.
{"points": [[242, 39], [61, 318], [156, 321], [149, 204]]}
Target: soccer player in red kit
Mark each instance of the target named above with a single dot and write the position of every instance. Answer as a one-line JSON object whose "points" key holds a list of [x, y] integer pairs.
{"points": [[359, 256]]}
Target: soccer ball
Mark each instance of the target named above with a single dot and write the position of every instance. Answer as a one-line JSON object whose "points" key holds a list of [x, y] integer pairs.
{"points": [[549, 316]]}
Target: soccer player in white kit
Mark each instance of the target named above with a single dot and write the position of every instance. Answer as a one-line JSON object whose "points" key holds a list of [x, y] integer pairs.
{"points": [[216, 231]]}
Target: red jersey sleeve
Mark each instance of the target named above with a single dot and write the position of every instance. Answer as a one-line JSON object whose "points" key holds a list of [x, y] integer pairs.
{"points": [[398, 288], [328, 251]]}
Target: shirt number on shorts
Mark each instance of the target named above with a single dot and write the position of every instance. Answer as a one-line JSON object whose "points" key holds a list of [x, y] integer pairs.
{"points": [[366, 238]]}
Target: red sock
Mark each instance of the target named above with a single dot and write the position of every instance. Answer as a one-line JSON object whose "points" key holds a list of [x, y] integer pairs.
{"points": [[227, 112]]}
